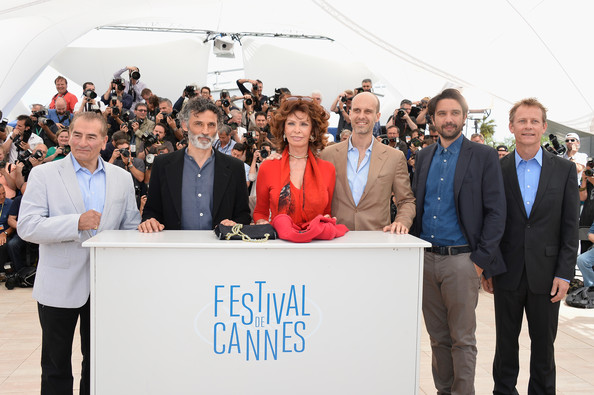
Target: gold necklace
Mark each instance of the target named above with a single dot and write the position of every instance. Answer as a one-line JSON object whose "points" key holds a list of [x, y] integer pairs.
{"points": [[298, 157]]}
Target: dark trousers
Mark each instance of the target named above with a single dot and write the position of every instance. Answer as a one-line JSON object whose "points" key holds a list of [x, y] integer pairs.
{"points": [[58, 325], [543, 318]]}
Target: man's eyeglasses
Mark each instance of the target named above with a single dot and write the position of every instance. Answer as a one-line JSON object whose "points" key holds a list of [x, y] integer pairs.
{"points": [[570, 140], [141, 110]]}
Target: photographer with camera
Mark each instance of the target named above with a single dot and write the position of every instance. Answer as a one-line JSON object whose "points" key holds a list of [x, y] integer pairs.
{"points": [[572, 142], [423, 118], [62, 149], [60, 116], [235, 119], [62, 88], [255, 94], [392, 139], [21, 139], [225, 103], [43, 126], [133, 86], [89, 100], [140, 124], [168, 116], [122, 157], [189, 92], [342, 105], [116, 117], [26, 161], [117, 91], [402, 119], [152, 144]]}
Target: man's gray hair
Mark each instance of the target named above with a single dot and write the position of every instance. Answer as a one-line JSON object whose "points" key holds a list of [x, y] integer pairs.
{"points": [[165, 100], [199, 105], [225, 129]]}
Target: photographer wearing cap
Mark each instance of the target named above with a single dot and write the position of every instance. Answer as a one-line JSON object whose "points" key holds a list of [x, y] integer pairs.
{"points": [[572, 142], [89, 100], [133, 86], [21, 139], [502, 151]]}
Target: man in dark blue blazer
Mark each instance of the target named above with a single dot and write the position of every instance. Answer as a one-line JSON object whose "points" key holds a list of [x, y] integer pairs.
{"points": [[461, 212], [539, 248], [198, 187]]}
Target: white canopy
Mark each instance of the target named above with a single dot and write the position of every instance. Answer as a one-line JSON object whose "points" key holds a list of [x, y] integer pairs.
{"points": [[498, 52]]}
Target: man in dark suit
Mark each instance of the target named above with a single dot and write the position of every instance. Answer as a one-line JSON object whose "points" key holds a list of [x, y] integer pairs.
{"points": [[197, 187], [461, 212], [539, 248]]}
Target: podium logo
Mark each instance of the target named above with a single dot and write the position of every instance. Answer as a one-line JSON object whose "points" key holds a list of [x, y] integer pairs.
{"points": [[257, 322]]}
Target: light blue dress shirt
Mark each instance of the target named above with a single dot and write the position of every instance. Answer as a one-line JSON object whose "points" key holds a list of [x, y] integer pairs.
{"points": [[92, 186], [440, 225], [357, 176], [528, 172]]}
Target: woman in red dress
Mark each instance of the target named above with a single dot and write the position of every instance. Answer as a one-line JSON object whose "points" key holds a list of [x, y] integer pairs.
{"points": [[299, 184]]}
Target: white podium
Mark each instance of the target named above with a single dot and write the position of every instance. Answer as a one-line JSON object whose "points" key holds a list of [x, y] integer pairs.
{"points": [[180, 312]]}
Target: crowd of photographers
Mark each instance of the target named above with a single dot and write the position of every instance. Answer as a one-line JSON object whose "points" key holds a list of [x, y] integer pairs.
{"points": [[143, 125]]}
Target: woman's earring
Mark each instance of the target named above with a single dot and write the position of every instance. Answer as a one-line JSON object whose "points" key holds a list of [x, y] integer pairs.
{"points": [[284, 137], [312, 138]]}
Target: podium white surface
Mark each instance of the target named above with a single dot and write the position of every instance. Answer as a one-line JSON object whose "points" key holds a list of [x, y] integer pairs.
{"points": [[180, 312]]}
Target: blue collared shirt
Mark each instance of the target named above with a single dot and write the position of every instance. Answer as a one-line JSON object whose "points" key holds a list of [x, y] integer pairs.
{"points": [[357, 176], [92, 186], [528, 172], [197, 191], [440, 220]]}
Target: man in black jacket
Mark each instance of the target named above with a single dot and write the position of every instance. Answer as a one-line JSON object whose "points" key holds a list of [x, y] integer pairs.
{"points": [[197, 187], [539, 248], [461, 212]]}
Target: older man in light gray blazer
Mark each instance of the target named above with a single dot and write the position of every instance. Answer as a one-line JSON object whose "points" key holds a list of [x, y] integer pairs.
{"points": [[66, 202]]}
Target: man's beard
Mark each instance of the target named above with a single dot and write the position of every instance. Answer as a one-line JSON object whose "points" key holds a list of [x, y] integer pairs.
{"points": [[449, 135], [194, 139]]}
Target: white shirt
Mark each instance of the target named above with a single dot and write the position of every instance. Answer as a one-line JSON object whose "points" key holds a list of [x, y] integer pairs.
{"points": [[578, 158], [33, 141]]}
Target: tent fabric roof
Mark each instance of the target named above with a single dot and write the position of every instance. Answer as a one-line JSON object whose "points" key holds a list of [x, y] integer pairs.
{"points": [[499, 52]]}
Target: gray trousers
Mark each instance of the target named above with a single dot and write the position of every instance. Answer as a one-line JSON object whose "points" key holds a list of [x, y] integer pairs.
{"points": [[450, 296]]}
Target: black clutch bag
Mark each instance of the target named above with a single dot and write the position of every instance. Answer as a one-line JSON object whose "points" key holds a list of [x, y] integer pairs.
{"points": [[254, 233]]}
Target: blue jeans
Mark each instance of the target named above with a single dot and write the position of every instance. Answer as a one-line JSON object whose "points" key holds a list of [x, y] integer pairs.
{"points": [[585, 262]]}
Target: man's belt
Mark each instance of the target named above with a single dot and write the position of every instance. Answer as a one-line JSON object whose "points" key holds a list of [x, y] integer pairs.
{"points": [[448, 250]]}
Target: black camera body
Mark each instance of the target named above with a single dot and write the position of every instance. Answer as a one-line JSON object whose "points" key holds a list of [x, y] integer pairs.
{"points": [[190, 91], [148, 140], [89, 94], [249, 138], [125, 152], [557, 148], [119, 82]]}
